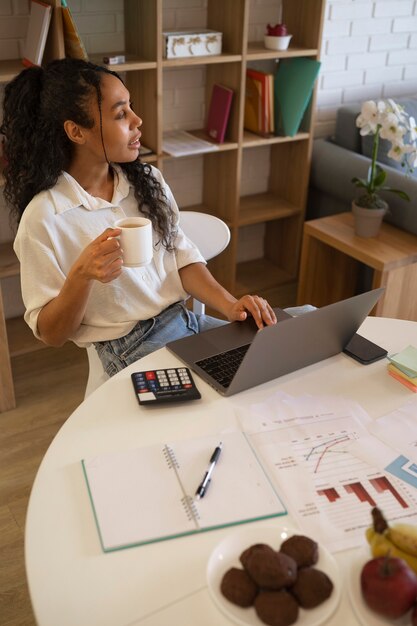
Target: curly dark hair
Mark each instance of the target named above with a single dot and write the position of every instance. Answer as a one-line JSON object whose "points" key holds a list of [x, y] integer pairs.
{"points": [[37, 150]]}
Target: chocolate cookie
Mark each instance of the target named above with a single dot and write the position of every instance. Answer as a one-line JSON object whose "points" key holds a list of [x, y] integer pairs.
{"points": [[270, 569], [312, 587], [262, 548], [303, 550], [276, 608], [238, 587]]}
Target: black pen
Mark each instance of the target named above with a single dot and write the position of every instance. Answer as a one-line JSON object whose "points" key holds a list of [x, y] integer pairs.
{"points": [[203, 486]]}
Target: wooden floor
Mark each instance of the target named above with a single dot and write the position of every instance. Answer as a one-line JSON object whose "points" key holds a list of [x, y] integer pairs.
{"points": [[50, 384]]}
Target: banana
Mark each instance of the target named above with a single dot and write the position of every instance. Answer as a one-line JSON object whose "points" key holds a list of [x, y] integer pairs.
{"points": [[381, 545], [404, 537]]}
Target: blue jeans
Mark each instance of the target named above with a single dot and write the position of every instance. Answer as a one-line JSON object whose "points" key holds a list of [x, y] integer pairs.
{"points": [[147, 336]]}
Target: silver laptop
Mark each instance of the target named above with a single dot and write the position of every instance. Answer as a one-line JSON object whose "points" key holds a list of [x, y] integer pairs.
{"points": [[238, 356]]}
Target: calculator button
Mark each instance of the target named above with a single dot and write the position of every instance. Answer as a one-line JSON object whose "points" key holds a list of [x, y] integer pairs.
{"points": [[150, 375]]}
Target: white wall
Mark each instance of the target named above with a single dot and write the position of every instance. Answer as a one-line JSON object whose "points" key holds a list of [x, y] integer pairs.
{"points": [[369, 50]]}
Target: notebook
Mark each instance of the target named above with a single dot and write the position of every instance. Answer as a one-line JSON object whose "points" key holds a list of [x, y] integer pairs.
{"points": [[39, 20], [147, 494], [292, 343]]}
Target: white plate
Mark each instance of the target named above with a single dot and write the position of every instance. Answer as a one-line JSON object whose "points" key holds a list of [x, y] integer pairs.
{"points": [[363, 613], [227, 553]]}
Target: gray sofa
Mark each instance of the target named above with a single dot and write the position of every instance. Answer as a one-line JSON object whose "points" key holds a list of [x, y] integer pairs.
{"points": [[336, 160]]}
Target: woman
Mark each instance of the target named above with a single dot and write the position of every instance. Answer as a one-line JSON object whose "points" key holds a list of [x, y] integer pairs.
{"points": [[72, 144]]}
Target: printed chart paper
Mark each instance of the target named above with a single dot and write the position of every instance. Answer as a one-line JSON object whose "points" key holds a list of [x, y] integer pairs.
{"points": [[308, 447]]}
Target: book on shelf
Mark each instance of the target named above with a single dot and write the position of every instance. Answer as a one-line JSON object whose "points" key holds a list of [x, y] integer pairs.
{"points": [[74, 47], [259, 105], [219, 112], [253, 106], [147, 494], [293, 87], [180, 143], [37, 33]]}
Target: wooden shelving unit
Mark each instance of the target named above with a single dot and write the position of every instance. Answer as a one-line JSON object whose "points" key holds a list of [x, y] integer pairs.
{"points": [[281, 207]]}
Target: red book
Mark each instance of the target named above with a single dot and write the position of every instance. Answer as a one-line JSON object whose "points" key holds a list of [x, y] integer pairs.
{"points": [[219, 111]]}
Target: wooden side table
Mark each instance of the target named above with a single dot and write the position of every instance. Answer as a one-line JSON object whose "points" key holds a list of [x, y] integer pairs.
{"points": [[332, 255]]}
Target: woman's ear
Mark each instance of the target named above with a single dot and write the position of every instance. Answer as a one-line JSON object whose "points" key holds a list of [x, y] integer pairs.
{"points": [[74, 132]]}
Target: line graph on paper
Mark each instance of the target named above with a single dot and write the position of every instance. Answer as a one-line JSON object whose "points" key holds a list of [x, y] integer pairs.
{"points": [[330, 487]]}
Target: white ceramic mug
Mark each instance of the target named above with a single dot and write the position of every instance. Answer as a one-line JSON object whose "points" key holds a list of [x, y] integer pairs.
{"points": [[135, 240]]}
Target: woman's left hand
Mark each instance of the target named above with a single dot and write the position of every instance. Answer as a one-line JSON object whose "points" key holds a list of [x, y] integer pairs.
{"points": [[256, 306]]}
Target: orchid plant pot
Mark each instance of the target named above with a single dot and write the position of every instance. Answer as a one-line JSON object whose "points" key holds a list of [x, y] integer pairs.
{"points": [[391, 122], [367, 222]]}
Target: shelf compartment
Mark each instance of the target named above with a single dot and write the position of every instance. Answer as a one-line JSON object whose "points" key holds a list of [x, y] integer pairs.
{"points": [[264, 207], [257, 52], [9, 264], [259, 275], [20, 337], [279, 250]]}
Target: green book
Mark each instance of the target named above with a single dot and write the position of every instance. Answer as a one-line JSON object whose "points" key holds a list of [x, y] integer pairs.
{"points": [[293, 86]]}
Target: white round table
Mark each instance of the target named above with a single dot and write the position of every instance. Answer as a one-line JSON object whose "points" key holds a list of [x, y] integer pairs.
{"points": [[73, 583]]}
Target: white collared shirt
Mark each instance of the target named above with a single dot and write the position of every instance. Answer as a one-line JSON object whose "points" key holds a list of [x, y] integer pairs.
{"points": [[59, 223]]}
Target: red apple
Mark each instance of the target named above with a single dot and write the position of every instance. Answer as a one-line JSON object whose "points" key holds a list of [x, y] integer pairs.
{"points": [[389, 586]]}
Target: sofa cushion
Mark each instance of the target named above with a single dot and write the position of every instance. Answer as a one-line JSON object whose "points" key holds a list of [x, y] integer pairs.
{"points": [[346, 132], [410, 106]]}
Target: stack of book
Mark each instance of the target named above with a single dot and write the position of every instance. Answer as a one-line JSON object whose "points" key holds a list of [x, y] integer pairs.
{"points": [[276, 104], [403, 367]]}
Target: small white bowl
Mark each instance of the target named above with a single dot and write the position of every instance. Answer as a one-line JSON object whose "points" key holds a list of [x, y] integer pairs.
{"points": [[277, 43]]}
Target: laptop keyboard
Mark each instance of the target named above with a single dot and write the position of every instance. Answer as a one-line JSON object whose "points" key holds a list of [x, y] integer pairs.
{"points": [[223, 366]]}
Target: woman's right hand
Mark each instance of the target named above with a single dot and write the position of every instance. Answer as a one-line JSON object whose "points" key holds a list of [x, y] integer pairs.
{"points": [[62, 316], [102, 259]]}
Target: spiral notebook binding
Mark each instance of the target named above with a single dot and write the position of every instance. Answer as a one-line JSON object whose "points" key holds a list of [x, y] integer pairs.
{"points": [[190, 508], [170, 457]]}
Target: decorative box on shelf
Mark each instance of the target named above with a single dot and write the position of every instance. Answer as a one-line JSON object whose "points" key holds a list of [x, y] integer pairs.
{"points": [[191, 43]]}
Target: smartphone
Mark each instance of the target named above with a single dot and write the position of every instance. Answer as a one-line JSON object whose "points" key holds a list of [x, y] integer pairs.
{"points": [[363, 350]]}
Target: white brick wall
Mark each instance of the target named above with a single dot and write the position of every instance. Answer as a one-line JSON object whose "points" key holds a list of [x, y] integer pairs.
{"points": [[369, 50]]}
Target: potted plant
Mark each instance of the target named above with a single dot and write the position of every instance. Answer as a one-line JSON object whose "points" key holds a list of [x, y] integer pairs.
{"points": [[386, 120], [277, 37]]}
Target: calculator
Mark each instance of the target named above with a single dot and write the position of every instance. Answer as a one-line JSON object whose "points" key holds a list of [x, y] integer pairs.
{"points": [[164, 385]]}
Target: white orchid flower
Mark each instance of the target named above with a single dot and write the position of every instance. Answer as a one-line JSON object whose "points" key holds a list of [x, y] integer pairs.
{"points": [[367, 120], [391, 129], [397, 109], [389, 121], [412, 159], [397, 152], [413, 128]]}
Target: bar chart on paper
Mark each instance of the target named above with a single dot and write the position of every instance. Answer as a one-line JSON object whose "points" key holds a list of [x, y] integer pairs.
{"points": [[332, 491]]}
